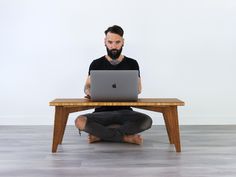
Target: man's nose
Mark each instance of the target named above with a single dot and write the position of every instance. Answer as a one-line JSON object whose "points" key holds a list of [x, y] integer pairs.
{"points": [[114, 46]]}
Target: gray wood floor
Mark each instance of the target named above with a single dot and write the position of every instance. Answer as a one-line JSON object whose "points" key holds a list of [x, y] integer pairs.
{"points": [[25, 151]]}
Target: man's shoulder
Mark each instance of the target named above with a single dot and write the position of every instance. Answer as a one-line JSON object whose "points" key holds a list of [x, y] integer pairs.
{"points": [[128, 59], [100, 59], [97, 63]]}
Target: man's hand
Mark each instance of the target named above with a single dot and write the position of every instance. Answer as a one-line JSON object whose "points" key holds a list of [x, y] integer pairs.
{"points": [[87, 96]]}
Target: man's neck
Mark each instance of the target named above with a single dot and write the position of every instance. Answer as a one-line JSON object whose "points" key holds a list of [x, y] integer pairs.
{"points": [[119, 59]]}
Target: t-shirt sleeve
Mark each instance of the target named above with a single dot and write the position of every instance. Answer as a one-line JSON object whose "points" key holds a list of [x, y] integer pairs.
{"points": [[92, 67], [136, 67]]}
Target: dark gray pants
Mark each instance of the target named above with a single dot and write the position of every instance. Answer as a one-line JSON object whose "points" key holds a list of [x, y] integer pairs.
{"points": [[131, 122]]}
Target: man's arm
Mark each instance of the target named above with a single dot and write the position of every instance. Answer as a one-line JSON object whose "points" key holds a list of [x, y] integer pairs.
{"points": [[87, 87], [139, 85]]}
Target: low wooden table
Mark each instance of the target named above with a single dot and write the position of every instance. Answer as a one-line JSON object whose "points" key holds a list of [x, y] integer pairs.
{"points": [[167, 106]]}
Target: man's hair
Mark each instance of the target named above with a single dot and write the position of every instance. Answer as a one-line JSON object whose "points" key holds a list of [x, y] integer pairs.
{"points": [[115, 29]]}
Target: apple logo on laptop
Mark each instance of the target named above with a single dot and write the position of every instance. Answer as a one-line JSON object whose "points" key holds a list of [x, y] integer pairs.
{"points": [[114, 85]]}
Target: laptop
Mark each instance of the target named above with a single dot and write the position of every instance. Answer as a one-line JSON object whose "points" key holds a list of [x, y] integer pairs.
{"points": [[114, 85]]}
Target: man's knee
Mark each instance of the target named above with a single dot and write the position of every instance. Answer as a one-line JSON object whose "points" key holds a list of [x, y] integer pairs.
{"points": [[146, 123], [80, 122]]}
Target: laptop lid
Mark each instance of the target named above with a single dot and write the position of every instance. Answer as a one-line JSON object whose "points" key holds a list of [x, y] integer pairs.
{"points": [[114, 85]]}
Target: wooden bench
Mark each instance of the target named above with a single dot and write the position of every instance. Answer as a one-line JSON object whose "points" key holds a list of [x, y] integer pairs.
{"points": [[166, 106]]}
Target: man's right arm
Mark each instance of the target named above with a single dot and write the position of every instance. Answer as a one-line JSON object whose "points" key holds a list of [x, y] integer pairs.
{"points": [[87, 86]]}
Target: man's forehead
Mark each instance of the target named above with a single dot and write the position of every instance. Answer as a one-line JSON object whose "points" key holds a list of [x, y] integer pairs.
{"points": [[113, 37]]}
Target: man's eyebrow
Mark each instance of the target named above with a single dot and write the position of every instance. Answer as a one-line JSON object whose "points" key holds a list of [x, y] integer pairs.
{"points": [[114, 41]]}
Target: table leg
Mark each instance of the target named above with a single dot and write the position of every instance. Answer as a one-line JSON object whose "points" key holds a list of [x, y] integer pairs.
{"points": [[171, 118], [170, 115], [64, 122], [60, 120], [168, 125]]}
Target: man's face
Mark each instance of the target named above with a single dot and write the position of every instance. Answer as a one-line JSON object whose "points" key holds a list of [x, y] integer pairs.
{"points": [[114, 44]]}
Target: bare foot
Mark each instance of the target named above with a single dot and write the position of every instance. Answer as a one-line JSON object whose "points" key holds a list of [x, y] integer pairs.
{"points": [[134, 139], [92, 139]]}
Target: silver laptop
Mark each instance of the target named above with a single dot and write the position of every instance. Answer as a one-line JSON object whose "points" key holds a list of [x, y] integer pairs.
{"points": [[114, 85]]}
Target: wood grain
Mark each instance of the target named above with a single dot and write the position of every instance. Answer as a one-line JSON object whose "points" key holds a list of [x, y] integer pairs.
{"points": [[140, 102]]}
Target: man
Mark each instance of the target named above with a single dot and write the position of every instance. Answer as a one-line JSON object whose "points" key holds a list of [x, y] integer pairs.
{"points": [[114, 123]]}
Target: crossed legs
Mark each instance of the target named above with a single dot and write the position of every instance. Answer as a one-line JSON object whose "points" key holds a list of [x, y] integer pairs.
{"points": [[118, 126]]}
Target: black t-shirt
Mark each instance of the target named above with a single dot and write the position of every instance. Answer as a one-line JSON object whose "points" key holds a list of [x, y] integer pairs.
{"points": [[103, 64]]}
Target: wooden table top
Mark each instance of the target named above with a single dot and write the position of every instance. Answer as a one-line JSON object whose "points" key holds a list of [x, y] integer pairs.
{"points": [[140, 102]]}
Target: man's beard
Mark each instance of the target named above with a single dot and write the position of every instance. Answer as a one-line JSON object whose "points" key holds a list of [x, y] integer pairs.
{"points": [[114, 53]]}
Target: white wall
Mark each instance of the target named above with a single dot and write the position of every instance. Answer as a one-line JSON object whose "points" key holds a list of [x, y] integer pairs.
{"points": [[185, 48]]}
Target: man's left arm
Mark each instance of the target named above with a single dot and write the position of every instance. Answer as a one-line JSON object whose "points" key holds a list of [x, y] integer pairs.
{"points": [[139, 85]]}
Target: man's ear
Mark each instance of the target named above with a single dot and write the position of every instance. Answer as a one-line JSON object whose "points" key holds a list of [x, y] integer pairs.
{"points": [[105, 41]]}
